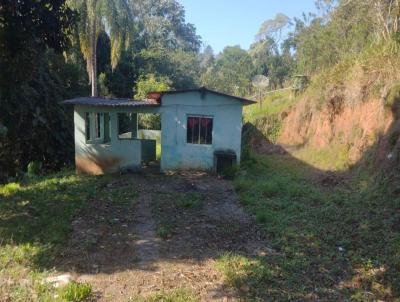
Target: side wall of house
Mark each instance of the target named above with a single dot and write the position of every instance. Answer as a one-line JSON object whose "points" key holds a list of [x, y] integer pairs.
{"points": [[117, 154], [176, 153]]}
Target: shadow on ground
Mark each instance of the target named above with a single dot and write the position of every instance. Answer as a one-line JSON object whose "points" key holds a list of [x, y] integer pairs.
{"points": [[327, 241]]}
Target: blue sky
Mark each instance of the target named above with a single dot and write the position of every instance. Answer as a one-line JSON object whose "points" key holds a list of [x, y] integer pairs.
{"points": [[235, 22]]}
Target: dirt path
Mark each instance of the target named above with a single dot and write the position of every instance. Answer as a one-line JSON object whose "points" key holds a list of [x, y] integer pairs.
{"points": [[146, 245], [201, 219]]}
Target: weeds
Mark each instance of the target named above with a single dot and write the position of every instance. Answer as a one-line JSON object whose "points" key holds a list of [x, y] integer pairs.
{"points": [[35, 221], [189, 201], [323, 237], [76, 292], [246, 274], [177, 295], [164, 231]]}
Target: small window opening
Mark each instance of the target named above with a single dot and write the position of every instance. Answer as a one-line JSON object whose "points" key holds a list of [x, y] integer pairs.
{"points": [[127, 125], [107, 128], [199, 130], [97, 130], [87, 126]]}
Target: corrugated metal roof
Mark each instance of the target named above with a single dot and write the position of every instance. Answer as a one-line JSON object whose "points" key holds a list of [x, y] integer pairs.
{"points": [[110, 102], [158, 95]]}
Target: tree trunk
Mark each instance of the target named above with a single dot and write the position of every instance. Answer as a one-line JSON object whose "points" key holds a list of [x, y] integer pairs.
{"points": [[93, 46]]}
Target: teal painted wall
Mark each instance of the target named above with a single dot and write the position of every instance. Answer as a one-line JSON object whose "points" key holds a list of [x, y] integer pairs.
{"points": [[118, 154], [176, 153]]}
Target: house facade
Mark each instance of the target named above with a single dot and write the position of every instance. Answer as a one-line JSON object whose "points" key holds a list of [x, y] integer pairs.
{"points": [[195, 124]]}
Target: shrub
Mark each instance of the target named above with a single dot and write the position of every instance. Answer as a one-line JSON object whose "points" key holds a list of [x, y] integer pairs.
{"points": [[164, 231], [76, 292], [230, 171], [34, 168]]}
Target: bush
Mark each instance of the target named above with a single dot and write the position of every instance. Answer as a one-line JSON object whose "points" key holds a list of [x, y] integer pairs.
{"points": [[34, 168], [230, 172], [164, 231], [76, 292]]}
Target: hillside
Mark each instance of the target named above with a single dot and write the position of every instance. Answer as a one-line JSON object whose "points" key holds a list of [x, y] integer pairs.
{"points": [[348, 115], [321, 173]]}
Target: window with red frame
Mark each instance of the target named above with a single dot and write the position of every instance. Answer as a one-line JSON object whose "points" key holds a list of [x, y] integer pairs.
{"points": [[199, 130]]}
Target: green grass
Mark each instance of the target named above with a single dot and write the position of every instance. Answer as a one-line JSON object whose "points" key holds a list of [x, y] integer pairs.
{"points": [[177, 295], [334, 157], [189, 200], [164, 231], [248, 275], [76, 292], [273, 103], [325, 238], [35, 221]]}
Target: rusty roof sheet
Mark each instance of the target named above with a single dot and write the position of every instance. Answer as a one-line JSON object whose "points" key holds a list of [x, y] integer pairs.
{"points": [[158, 95], [110, 102]]}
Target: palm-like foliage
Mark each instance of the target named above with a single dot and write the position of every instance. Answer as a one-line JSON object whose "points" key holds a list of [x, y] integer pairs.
{"points": [[114, 17]]}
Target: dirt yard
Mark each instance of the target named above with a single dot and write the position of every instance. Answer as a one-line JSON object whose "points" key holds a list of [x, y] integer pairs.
{"points": [[168, 237]]}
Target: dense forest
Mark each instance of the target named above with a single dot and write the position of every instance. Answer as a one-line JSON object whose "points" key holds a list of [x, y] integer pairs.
{"points": [[54, 50]]}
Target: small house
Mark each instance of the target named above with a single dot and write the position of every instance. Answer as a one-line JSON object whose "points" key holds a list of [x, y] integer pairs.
{"points": [[196, 126]]}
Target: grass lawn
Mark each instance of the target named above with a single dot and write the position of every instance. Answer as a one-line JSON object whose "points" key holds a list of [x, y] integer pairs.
{"points": [[35, 221], [335, 243], [273, 103]]}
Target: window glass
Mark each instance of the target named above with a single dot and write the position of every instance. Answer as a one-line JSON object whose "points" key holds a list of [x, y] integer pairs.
{"points": [[127, 125], [199, 130]]}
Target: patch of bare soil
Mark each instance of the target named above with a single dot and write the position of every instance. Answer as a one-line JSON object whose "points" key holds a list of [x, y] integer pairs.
{"points": [[116, 246]]}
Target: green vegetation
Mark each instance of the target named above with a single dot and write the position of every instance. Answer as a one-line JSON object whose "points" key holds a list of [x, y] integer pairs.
{"points": [[332, 242], [177, 295], [164, 230], [43, 63], [273, 103], [76, 292], [35, 221], [245, 274], [158, 151], [131, 47], [268, 115], [189, 201]]}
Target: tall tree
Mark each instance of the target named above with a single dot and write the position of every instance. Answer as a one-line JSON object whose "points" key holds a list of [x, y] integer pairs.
{"points": [[33, 79], [112, 16], [231, 72]]}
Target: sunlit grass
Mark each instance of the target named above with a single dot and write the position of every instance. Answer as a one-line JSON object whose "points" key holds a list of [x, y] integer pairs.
{"points": [[323, 237], [273, 103], [35, 221]]}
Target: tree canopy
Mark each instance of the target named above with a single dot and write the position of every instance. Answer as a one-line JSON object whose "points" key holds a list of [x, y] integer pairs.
{"points": [[51, 50]]}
